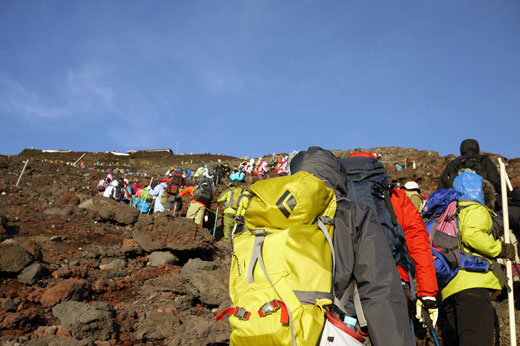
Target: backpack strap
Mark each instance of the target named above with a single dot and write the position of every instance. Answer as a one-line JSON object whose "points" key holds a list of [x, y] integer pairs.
{"points": [[376, 202], [352, 291], [499, 273], [257, 257], [434, 228], [321, 221], [359, 308], [237, 311], [390, 207], [231, 200], [459, 236]]}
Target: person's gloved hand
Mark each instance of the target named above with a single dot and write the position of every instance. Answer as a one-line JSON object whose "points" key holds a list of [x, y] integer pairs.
{"points": [[430, 304], [508, 252]]}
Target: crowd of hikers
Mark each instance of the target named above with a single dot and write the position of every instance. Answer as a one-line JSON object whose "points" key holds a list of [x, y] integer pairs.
{"points": [[343, 257], [166, 195]]}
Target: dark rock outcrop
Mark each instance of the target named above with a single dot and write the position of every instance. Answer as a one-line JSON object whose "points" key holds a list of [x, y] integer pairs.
{"points": [[85, 321], [158, 326], [175, 234], [13, 257], [206, 281], [111, 211], [31, 274]]}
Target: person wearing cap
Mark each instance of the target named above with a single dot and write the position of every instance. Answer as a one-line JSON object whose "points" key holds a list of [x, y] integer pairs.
{"points": [[470, 158], [413, 192], [169, 171]]}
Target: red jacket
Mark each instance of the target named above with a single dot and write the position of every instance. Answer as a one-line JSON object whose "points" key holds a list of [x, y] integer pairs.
{"points": [[418, 243]]}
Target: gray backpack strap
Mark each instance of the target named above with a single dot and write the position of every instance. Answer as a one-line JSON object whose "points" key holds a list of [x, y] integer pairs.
{"points": [[352, 291], [257, 257], [499, 273], [321, 221], [231, 199], [359, 308]]}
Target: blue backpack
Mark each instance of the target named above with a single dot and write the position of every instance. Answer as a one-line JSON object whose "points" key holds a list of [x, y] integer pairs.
{"points": [[139, 205], [367, 183]]}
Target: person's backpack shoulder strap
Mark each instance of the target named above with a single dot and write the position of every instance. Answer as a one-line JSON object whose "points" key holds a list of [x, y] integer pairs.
{"points": [[352, 292]]}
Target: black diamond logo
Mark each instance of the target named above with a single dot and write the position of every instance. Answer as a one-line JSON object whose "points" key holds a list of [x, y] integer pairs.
{"points": [[286, 201]]}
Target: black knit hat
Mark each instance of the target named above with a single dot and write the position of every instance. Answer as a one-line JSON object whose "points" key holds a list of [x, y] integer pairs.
{"points": [[516, 194]]}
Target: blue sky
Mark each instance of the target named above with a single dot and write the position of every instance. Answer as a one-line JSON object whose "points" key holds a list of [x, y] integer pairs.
{"points": [[245, 77]]}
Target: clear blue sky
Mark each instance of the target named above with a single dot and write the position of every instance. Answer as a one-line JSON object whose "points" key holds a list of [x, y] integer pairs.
{"points": [[251, 77]]}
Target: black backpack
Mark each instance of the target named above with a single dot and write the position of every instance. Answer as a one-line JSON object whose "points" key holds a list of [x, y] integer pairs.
{"points": [[472, 163], [203, 193], [368, 184]]}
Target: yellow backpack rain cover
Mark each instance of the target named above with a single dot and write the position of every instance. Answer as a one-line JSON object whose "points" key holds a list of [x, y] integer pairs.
{"points": [[281, 272]]}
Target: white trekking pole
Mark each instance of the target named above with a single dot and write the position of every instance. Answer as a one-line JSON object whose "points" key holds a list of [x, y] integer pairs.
{"points": [[23, 170], [507, 239], [75, 162]]}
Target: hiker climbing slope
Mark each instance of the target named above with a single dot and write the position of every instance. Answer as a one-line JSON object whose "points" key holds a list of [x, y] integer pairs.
{"points": [[467, 297], [362, 255], [470, 158], [230, 197], [418, 244], [201, 197]]}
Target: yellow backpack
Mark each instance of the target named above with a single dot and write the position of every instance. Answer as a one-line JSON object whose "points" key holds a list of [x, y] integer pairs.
{"points": [[281, 272]]}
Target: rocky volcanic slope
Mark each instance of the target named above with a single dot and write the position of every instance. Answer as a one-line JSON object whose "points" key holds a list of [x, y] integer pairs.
{"points": [[79, 269]]}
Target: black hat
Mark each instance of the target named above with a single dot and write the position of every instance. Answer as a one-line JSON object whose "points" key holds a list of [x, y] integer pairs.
{"points": [[516, 194]]}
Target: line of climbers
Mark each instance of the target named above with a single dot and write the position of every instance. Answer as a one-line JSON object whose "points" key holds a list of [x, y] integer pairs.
{"points": [[332, 235], [176, 183]]}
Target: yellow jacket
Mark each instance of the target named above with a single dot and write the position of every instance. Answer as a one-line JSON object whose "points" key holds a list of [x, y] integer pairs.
{"points": [[243, 203], [474, 223]]}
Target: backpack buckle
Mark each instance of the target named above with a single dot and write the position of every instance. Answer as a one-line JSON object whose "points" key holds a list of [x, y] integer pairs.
{"points": [[326, 220], [260, 232], [241, 313], [269, 308]]}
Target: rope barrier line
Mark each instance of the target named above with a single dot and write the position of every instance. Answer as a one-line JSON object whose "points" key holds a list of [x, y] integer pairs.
{"points": [[222, 215]]}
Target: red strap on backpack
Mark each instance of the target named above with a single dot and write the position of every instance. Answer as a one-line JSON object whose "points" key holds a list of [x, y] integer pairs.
{"points": [[239, 312], [271, 307]]}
